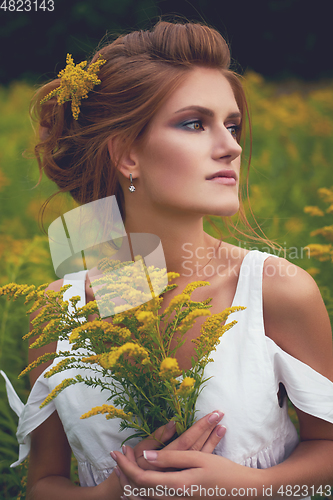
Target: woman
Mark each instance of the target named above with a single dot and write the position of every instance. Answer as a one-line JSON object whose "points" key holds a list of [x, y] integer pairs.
{"points": [[167, 118]]}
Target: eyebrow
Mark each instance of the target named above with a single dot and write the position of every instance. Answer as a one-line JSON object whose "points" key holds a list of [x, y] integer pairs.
{"points": [[207, 111]]}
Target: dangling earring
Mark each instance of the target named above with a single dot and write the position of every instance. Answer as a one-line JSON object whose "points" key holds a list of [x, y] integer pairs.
{"points": [[131, 187]]}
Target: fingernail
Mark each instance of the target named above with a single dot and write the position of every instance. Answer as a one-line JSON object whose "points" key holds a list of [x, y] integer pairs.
{"points": [[214, 417], [124, 449], [220, 430], [117, 471], [171, 424], [113, 455], [150, 455]]}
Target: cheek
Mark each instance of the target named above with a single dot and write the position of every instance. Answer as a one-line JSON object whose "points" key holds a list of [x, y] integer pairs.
{"points": [[167, 157]]}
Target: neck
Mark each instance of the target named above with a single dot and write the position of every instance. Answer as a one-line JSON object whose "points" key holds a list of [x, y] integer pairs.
{"points": [[187, 248]]}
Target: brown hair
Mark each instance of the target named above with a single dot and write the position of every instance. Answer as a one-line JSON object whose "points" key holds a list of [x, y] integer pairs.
{"points": [[143, 68]]}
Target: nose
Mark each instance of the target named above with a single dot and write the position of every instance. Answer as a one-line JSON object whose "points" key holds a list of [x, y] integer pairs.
{"points": [[226, 146]]}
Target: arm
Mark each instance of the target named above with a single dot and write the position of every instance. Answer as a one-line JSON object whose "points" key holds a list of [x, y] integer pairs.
{"points": [[296, 319], [49, 468]]}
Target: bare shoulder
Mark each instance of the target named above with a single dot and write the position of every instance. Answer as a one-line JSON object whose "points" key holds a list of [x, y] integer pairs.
{"points": [[35, 353], [295, 315], [287, 282]]}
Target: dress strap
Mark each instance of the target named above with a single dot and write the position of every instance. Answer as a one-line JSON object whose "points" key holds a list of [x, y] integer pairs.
{"points": [[78, 287], [78, 283], [249, 286]]}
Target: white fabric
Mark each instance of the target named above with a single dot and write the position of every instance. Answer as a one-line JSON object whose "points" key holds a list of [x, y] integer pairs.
{"points": [[246, 372]]}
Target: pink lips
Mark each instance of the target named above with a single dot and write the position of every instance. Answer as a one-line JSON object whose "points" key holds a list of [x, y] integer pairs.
{"points": [[227, 177]]}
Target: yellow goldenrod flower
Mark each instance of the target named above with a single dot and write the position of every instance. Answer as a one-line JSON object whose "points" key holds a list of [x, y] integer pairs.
{"points": [[75, 83], [326, 194], [179, 300], [169, 368], [189, 289], [320, 252], [60, 387], [57, 368], [147, 318], [186, 387], [313, 211], [326, 231], [41, 359], [89, 308], [74, 300], [92, 359], [109, 360], [172, 276], [109, 410], [212, 329], [99, 327], [189, 321]]}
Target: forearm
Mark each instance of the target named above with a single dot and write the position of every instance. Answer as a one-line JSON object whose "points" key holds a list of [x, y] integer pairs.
{"points": [[55, 487], [309, 466]]}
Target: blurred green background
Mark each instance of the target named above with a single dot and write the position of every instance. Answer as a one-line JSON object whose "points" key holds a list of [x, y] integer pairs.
{"points": [[282, 51]]}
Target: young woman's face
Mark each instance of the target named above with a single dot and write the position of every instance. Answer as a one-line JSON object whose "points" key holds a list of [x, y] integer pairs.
{"points": [[190, 160]]}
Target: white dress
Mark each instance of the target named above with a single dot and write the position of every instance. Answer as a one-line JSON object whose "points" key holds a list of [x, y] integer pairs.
{"points": [[246, 372]]}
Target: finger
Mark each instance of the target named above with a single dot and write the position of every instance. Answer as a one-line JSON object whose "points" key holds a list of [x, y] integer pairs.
{"points": [[163, 433], [150, 478], [196, 436], [214, 438], [123, 480], [156, 440], [175, 459], [132, 457], [129, 452], [128, 489]]}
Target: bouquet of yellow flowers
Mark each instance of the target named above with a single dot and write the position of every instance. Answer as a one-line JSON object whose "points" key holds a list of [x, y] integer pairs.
{"points": [[130, 355]]}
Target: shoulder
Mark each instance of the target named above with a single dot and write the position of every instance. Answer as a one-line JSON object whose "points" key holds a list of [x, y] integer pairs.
{"points": [[287, 282], [295, 315], [55, 285]]}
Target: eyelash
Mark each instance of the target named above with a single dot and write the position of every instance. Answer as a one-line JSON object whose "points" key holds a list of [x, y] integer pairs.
{"points": [[235, 128], [186, 124]]}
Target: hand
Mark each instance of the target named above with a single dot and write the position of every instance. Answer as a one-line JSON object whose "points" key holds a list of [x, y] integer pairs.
{"points": [[190, 473], [203, 436]]}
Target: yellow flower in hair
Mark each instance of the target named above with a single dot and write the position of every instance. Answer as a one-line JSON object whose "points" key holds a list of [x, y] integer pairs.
{"points": [[75, 83]]}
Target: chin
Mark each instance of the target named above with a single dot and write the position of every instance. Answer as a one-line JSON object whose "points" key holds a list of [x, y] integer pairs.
{"points": [[225, 211]]}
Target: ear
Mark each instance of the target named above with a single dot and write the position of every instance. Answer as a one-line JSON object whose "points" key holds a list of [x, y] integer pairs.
{"points": [[128, 163]]}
